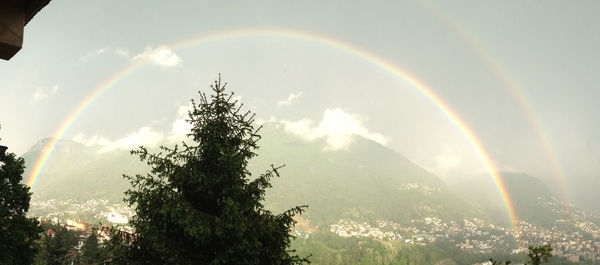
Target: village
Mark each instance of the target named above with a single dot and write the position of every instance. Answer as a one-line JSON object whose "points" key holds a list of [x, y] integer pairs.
{"points": [[473, 235], [477, 236], [94, 210]]}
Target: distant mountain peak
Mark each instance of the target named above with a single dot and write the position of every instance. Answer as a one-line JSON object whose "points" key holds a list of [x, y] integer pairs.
{"points": [[60, 144]]}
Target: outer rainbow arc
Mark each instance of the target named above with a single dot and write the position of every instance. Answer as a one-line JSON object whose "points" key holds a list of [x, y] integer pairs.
{"points": [[513, 89], [528, 111], [396, 71]]}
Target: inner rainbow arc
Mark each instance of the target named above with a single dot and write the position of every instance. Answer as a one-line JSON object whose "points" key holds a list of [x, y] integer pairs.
{"points": [[462, 127]]}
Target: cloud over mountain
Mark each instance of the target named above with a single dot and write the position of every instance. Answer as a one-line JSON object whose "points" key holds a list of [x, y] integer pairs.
{"points": [[337, 128]]}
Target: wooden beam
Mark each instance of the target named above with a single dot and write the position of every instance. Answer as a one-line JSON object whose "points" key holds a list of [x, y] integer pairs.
{"points": [[12, 23]]}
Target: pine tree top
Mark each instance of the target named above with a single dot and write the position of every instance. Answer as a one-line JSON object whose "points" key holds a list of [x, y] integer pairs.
{"points": [[200, 204]]}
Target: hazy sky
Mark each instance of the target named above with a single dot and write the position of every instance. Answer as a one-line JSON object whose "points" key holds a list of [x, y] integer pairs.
{"points": [[493, 63]]}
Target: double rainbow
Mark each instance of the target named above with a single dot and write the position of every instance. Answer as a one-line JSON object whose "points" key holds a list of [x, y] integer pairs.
{"points": [[460, 125]]}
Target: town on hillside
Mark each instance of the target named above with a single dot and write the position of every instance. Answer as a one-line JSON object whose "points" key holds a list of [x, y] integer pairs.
{"points": [[477, 236], [581, 243]]}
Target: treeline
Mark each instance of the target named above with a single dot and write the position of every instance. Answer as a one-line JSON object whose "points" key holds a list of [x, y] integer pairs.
{"points": [[328, 249], [59, 245]]}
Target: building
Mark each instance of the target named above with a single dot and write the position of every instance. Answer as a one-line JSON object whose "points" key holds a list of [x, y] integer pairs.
{"points": [[76, 226], [572, 257], [14, 15]]}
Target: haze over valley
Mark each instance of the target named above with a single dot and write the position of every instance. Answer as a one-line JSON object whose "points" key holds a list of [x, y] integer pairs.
{"points": [[427, 132], [364, 190]]}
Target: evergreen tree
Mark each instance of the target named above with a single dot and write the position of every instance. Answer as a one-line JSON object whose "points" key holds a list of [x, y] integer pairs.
{"points": [[18, 233], [200, 204], [91, 251], [58, 245]]}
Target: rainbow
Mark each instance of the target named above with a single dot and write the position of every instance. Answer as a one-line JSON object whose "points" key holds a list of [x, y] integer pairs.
{"points": [[517, 93], [461, 126]]}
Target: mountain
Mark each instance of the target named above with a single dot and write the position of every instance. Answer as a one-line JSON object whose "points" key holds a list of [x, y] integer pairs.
{"points": [[532, 200], [586, 193], [66, 152], [367, 181], [367, 204], [78, 172]]}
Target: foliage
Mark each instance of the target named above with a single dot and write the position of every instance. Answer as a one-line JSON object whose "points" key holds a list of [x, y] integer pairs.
{"points": [[539, 254], [91, 251], [494, 262], [327, 248], [199, 204], [116, 249], [18, 233], [57, 245], [536, 254]]}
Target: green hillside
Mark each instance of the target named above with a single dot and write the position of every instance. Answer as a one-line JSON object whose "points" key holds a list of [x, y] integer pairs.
{"points": [[66, 155], [78, 172], [365, 182]]}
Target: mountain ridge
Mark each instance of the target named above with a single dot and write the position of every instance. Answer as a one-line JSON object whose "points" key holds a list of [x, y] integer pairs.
{"points": [[365, 181]]}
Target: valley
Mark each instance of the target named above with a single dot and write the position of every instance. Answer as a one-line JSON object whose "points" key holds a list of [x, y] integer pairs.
{"points": [[412, 207]]}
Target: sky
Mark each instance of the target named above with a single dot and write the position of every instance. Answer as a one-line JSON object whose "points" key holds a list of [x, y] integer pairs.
{"points": [[521, 75]]}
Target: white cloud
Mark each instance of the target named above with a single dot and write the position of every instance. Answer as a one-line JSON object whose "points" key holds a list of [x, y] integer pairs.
{"points": [[146, 135], [95, 53], [91, 141], [38, 95], [143, 136], [161, 56], [180, 127], [288, 101], [42, 93], [337, 127], [121, 52]]}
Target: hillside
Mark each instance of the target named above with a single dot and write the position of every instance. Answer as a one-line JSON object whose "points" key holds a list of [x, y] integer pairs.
{"points": [[365, 182], [532, 200], [78, 172], [367, 204]]}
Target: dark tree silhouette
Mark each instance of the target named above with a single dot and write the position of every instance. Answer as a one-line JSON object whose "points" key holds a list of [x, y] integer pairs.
{"points": [[494, 262], [91, 251], [200, 204], [18, 233], [537, 255], [58, 245]]}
